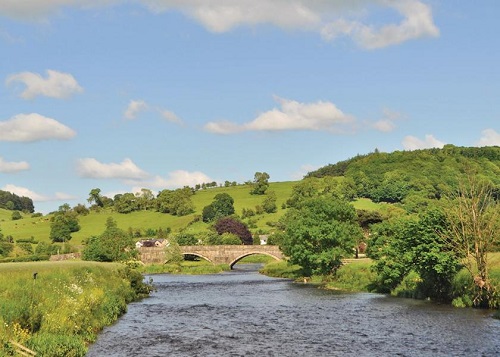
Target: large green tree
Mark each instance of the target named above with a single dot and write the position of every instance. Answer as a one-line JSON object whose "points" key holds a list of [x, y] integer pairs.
{"points": [[221, 206], [319, 234], [64, 222], [176, 202], [414, 244], [114, 244]]}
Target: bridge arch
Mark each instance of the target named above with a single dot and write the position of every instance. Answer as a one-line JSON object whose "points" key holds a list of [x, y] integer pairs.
{"points": [[237, 259], [198, 255]]}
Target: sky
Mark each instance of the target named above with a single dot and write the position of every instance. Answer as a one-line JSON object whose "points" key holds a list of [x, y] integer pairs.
{"points": [[128, 94]]}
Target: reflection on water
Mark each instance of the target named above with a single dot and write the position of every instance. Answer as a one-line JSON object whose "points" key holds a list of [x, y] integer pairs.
{"points": [[242, 313]]}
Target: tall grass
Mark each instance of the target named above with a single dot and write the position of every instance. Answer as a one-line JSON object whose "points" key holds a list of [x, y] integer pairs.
{"points": [[57, 308]]}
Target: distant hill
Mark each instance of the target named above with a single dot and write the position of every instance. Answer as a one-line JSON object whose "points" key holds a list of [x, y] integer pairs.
{"points": [[392, 177]]}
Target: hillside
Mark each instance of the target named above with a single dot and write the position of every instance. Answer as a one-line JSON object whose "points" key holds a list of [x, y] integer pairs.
{"points": [[94, 223], [430, 173]]}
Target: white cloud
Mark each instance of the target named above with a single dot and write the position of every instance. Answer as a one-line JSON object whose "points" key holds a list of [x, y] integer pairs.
{"points": [[388, 121], [56, 85], [134, 108], [33, 127], [384, 125], [489, 138], [303, 170], [176, 179], [292, 115], [6, 166], [36, 10], [91, 168], [329, 18], [417, 23], [413, 143], [170, 116], [25, 192]]}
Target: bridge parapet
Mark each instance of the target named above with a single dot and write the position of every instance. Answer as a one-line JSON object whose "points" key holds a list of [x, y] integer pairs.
{"points": [[216, 254]]}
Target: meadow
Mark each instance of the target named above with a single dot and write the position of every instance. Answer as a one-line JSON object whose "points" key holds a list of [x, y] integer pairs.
{"points": [[93, 224], [58, 308]]}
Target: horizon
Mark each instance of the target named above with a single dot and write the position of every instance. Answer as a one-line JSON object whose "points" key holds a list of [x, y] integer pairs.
{"points": [[164, 94]]}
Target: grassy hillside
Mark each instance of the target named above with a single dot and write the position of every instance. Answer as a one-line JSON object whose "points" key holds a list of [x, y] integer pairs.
{"points": [[94, 223]]}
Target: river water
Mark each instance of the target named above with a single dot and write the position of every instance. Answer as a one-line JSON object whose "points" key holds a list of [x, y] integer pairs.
{"points": [[243, 313]]}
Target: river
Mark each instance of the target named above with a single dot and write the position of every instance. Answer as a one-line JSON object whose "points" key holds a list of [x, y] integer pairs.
{"points": [[243, 313]]}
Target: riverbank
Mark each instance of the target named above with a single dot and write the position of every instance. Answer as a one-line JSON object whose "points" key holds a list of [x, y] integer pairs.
{"points": [[58, 308]]}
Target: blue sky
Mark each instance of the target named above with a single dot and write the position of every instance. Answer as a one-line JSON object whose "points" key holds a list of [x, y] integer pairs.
{"points": [[123, 95]]}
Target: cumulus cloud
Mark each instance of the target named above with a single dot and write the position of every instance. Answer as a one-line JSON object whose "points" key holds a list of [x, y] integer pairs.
{"points": [[489, 138], [388, 121], [414, 143], [134, 108], [55, 85], [33, 127], [91, 168], [170, 116], [417, 23], [292, 115], [9, 167], [329, 18], [175, 179], [25, 192]]}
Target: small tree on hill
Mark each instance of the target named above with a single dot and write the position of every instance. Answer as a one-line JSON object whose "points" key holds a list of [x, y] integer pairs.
{"points": [[260, 183]]}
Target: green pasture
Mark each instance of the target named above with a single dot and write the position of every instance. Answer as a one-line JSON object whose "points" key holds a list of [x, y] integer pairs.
{"points": [[94, 223]]}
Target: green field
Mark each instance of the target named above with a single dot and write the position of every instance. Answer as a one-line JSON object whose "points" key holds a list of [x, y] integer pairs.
{"points": [[94, 223]]}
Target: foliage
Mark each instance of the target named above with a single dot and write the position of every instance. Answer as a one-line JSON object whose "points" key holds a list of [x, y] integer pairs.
{"points": [[184, 238], [16, 215], [61, 311], [319, 187], [11, 201], [355, 276], [125, 203], [64, 222], [474, 217], [177, 202], [429, 173], [414, 244], [319, 234], [112, 245], [221, 206], [236, 227], [269, 202], [260, 183]]}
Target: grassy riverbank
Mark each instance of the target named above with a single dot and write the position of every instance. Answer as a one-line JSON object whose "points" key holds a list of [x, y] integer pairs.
{"points": [[61, 309]]}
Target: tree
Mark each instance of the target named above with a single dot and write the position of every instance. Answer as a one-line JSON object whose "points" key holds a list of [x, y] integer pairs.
{"points": [[474, 218], [16, 215], [319, 234], [112, 245], [64, 222], [221, 206], [232, 225], [126, 203], [269, 203], [260, 183], [145, 199], [95, 197], [410, 244], [177, 202]]}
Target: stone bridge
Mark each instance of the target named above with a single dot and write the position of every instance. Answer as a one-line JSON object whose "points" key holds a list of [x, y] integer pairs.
{"points": [[216, 254]]}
